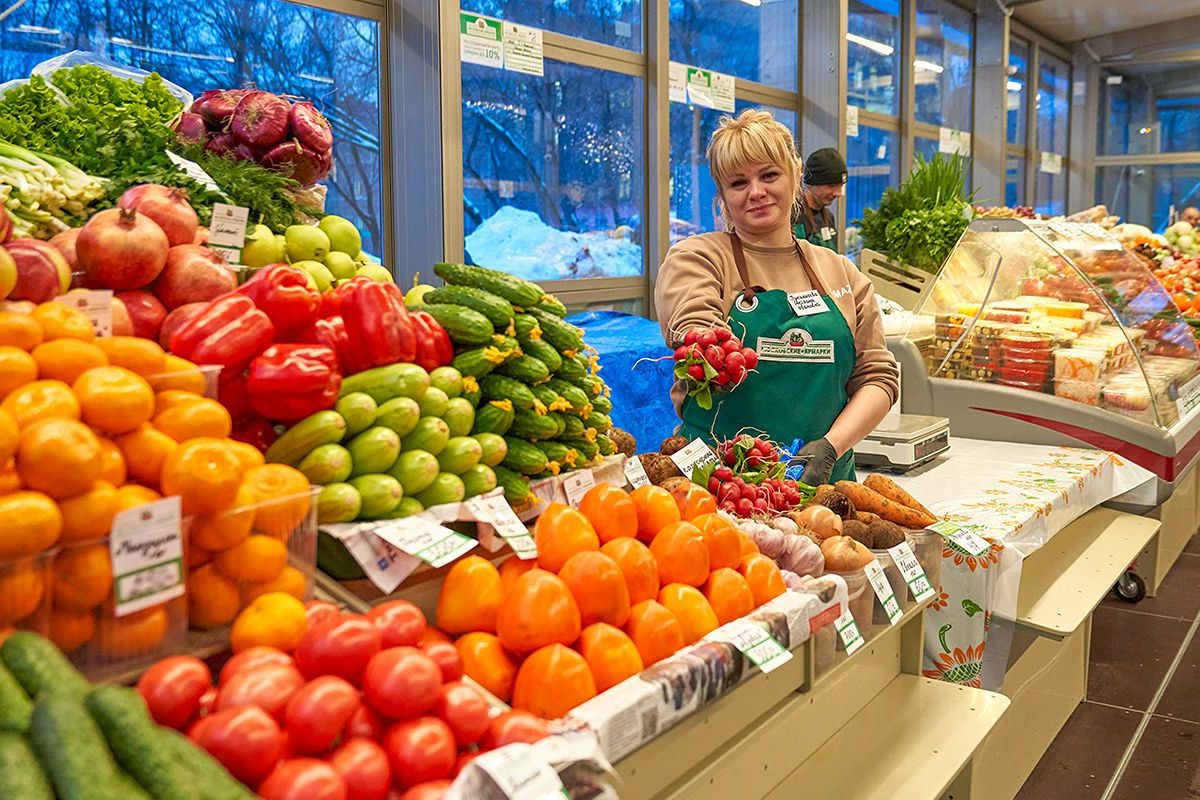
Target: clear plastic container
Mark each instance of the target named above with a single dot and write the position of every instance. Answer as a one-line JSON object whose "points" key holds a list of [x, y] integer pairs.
{"points": [[927, 547], [862, 600], [896, 581], [25, 585], [204, 383]]}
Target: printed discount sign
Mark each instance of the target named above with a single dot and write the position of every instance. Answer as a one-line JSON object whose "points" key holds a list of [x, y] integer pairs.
{"points": [[576, 485], [696, 456], [635, 473], [428, 541]]}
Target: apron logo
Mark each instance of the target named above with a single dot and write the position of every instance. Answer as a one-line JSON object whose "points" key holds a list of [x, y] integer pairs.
{"points": [[845, 290], [796, 345]]}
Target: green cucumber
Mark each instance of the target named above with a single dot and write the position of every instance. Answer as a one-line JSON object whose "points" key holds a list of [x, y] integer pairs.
{"points": [[15, 705], [479, 479], [380, 494], [533, 426], [338, 502], [21, 776], [553, 305], [416, 470], [602, 404], [358, 409], [572, 394], [323, 427], [500, 387], [384, 383], [525, 369], [40, 667], [516, 485], [544, 352], [460, 454], [494, 417], [497, 310], [459, 416], [433, 403], [430, 435], [606, 445], [446, 488], [565, 337], [71, 747], [526, 327], [374, 451], [523, 457], [401, 414], [479, 361], [448, 379], [329, 463], [465, 326], [493, 447], [515, 290]]}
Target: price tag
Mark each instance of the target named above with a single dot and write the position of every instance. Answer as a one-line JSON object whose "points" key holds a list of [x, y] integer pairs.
{"points": [[385, 566], [696, 455], [847, 629], [577, 484], [227, 231], [96, 305], [1189, 397], [481, 40], [635, 473], [883, 591], [761, 648], [496, 511], [914, 574], [961, 538], [805, 304], [520, 773], [146, 546], [428, 541], [852, 121]]}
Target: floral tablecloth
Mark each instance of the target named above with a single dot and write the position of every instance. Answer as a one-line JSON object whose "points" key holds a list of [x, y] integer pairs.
{"points": [[1017, 496]]}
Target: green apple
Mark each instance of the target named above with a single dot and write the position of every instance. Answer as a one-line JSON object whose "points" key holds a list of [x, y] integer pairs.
{"points": [[262, 247], [340, 264], [306, 243], [416, 295], [364, 258], [343, 236], [319, 273], [281, 242], [375, 272]]}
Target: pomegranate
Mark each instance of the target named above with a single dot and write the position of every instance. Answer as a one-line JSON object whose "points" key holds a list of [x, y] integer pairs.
{"points": [[201, 235], [8, 273], [216, 105], [190, 128], [167, 207], [176, 320], [65, 242], [146, 312], [122, 323], [296, 161], [6, 225], [42, 272], [121, 249], [310, 127], [260, 119], [193, 274]]}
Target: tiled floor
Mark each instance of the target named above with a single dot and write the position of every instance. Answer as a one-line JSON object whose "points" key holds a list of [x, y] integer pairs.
{"points": [[1127, 724]]}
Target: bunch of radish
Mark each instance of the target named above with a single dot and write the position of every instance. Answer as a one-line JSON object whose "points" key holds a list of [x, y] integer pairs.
{"points": [[251, 125], [712, 361], [745, 498]]}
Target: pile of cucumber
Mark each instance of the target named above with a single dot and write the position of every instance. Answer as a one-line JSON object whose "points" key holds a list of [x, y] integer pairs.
{"points": [[399, 440], [534, 379], [62, 737]]}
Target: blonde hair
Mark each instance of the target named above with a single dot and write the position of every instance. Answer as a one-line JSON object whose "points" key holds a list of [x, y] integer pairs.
{"points": [[754, 137]]}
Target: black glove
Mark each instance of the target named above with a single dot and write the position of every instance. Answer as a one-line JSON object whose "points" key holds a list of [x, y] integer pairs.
{"points": [[819, 458]]}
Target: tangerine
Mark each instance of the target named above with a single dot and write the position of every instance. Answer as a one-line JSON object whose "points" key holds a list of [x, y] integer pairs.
{"points": [[291, 581], [133, 634], [66, 359], [763, 576], [681, 554], [112, 462], [60, 457], [170, 398], [83, 577], [131, 496], [637, 565], [611, 512], [17, 368], [225, 528], [59, 321], [195, 556], [32, 522], [598, 586], [10, 436], [10, 481], [71, 630], [654, 630], [610, 654], [282, 496], [255, 558], [729, 594], [275, 619], [198, 417], [145, 450], [213, 599], [114, 400], [695, 615], [179, 373], [248, 454], [206, 474], [561, 532], [656, 510], [41, 400], [142, 356], [21, 590], [553, 680], [20, 330]]}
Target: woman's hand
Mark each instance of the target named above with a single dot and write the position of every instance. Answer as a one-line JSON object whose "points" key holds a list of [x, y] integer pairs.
{"points": [[820, 458]]}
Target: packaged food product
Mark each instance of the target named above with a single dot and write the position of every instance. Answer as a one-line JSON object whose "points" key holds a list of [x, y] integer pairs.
{"points": [[1081, 391], [1076, 364], [1063, 308]]}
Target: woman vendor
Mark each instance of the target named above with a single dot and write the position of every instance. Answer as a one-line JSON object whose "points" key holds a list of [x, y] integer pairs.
{"points": [[824, 375]]}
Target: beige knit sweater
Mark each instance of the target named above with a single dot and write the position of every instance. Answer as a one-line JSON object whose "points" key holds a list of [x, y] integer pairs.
{"points": [[698, 283]]}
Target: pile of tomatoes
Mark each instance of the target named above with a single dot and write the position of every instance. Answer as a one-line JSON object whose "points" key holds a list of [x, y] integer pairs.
{"points": [[365, 708]]}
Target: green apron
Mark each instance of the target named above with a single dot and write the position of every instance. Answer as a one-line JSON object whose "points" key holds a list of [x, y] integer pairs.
{"points": [[804, 363], [821, 232]]}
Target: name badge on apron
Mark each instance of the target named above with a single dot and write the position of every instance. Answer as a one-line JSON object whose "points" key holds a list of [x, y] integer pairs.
{"points": [[828, 233], [805, 304]]}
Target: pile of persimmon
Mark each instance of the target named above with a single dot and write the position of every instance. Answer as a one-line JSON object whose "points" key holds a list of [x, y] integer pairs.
{"points": [[620, 584]]}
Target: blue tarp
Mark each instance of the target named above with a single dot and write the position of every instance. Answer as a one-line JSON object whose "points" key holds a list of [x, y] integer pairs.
{"points": [[641, 392]]}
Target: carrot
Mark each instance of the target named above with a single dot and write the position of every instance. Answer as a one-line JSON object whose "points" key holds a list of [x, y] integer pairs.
{"points": [[892, 491], [865, 499]]}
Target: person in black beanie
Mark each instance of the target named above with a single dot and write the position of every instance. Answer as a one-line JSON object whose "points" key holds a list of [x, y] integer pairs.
{"points": [[824, 182]]}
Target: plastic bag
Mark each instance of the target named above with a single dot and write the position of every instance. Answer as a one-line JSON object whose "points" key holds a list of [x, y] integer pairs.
{"points": [[78, 58]]}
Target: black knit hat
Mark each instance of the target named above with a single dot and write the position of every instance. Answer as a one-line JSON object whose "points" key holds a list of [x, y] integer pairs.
{"points": [[825, 167]]}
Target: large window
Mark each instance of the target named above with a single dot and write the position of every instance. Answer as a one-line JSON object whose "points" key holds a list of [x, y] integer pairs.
{"points": [[873, 55], [872, 164], [693, 191], [615, 22], [1145, 193], [1125, 122], [753, 41], [283, 47], [942, 74], [1053, 104], [1014, 181], [553, 171], [1017, 87], [1150, 108]]}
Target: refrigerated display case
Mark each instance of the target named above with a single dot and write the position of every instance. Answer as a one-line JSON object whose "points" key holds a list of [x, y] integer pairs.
{"points": [[1053, 333]]}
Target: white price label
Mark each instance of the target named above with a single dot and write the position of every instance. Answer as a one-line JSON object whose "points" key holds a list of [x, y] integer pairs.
{"points": [[577, 484], [520, 773], [883, 591], [847, 629], [1051, 163], [428, 541], [386, 566], [96, 305], [496, 511], [696, 455], [636, 473], [761, 648], [914, 574], [963, 539], [852, 121], [805, 304], [228, 227], [146, 547], [523, 51], [677, 82], [1189, 397]]}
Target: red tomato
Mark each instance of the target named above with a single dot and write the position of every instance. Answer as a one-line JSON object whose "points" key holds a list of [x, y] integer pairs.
{"points": [[364, 767], [433, 790], [513, 726], [208, 701], [341, 646], [400, 622], [401, 682], [432, 635], [447, 658], [251, 658], [317, 713], [464, 710], [173, 689], [364, 723], [464, 758], [198, 727], [420, 750], [319, 611], [268, 687], [245, 740], [303, 779]]}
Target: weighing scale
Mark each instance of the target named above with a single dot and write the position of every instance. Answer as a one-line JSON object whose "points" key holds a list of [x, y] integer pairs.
{"points": [[903, 442]]}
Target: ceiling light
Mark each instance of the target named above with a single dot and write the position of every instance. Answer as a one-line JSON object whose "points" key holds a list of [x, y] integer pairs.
{"points": [[752, 2], [928, 66], [1015, 86], [871, 44], [1144, 131]]}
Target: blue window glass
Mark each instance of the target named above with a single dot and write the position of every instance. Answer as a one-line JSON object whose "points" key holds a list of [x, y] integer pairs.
{"points": [[1017, 91], [756, 41], [1053, 112], [1126, 123], [872, 165], [942, 67], [873, 55], [1014, 181], [1144, 194], [614, 22]]}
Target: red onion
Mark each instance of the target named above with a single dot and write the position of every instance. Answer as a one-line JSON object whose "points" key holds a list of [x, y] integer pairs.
{"points": [[190, 128], [260, 119], [295, 160], [221, 145], [216, 106], [310, 127]]}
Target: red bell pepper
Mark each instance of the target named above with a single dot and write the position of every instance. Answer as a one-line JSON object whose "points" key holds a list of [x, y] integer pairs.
{"points": [[434, 348], [230, 332], [255, 431], [290, 381], [378, 328], [282, 292], [330, 332], [232, 392]]}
